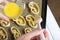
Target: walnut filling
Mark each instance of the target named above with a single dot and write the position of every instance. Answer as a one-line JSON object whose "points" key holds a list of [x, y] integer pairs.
{"points": [[27, 30], [16, 33], [33, 24], [5, 23], [34, 7], [3, 34]]}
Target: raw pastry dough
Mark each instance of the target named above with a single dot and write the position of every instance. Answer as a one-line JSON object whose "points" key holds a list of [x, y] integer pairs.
{"points": [[34, 7], [3, 34], [21, 21], [27, 30], [33, 24], [14, 19], [30, 17], [16, 33], [5, 23]]}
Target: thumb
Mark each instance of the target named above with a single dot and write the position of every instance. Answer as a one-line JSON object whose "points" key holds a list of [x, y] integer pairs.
{"points": [[1, 1], [28, 36], [33, 34], [44, 35], [3, 17]]}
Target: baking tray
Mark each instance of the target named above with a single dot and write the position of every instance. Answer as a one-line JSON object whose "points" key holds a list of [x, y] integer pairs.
{"points": [[44, 13], [42, 4]]}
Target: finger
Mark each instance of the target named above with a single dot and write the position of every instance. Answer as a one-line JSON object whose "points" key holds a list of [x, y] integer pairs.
{"points": [[1, 1], [30, 35], [13, 0], [1, 6], [5, 1], [33, 34], [3, 17], [42, 37], [36, 38], [46, 34]]}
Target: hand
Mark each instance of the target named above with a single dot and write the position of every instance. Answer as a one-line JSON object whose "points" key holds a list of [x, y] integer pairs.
{"points": [[1, 1], [3, 17], [6, 1], [34, 35]]}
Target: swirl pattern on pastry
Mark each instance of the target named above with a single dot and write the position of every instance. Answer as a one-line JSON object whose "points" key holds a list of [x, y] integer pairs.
{"points": [[16, 33], [32, 24], [30, 17], [27, 30], [4, 23], [21, 21], [3, 34], [34, 7]]}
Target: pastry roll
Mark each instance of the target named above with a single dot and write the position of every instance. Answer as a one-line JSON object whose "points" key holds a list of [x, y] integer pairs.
{"points": [[16, 33], [34, 8], [27, 30], [14, 19], [32, 24], [5, 23], [21, 21], [3, 34], [30, 17]]}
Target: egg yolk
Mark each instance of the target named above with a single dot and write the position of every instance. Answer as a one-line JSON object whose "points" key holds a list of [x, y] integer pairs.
{"points": [[12, 10]]}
